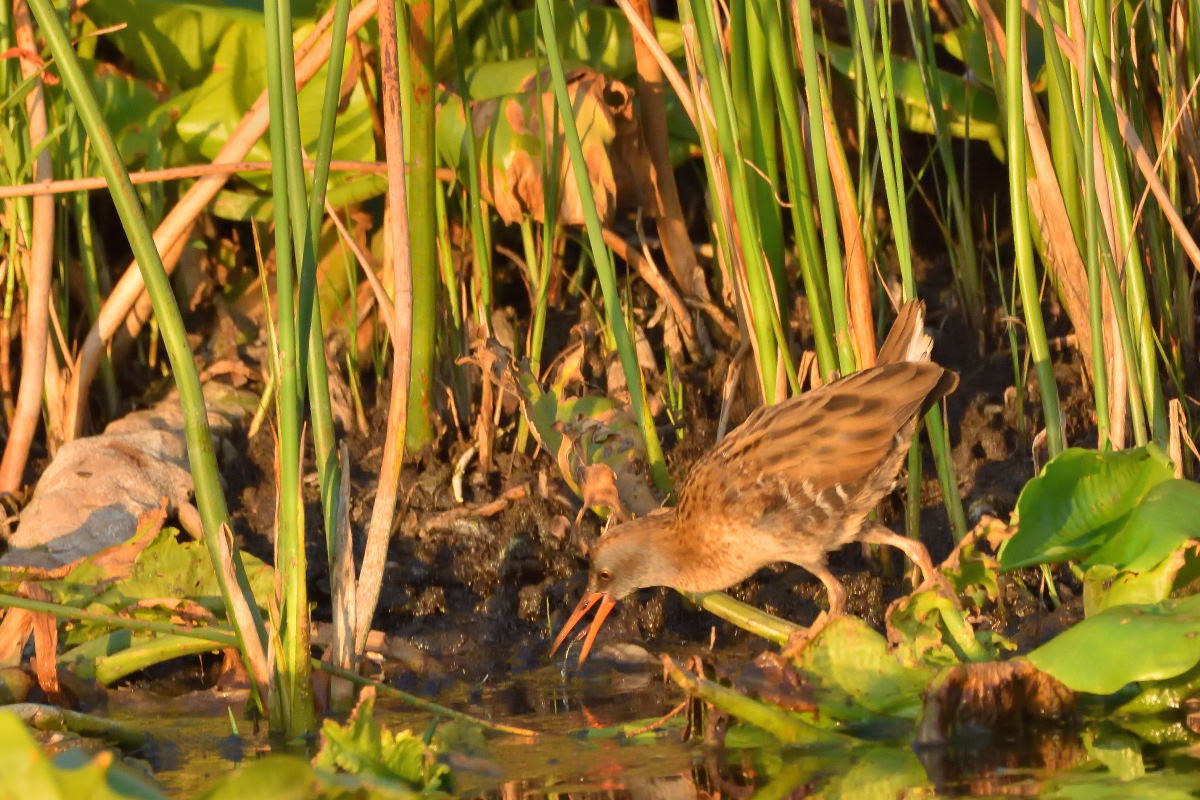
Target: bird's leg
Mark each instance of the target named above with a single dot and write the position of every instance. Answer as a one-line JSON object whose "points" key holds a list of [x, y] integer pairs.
{"points": [[916, 553], [837, 607]]}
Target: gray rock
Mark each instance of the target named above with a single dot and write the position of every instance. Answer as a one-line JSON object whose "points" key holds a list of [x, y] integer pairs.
{"points": [[91, 495]]}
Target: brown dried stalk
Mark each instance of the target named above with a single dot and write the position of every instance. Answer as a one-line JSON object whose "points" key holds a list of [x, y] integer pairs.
{"points": [[38, 275], [383, 511]]}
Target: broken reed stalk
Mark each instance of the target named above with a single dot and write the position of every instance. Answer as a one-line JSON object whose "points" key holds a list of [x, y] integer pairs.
{"points": [[71, 185], [744, 616], [784, 725], [383, 511]]}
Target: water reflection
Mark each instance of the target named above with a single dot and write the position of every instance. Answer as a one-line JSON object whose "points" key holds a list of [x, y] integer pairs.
{"points": [[587, 752]]}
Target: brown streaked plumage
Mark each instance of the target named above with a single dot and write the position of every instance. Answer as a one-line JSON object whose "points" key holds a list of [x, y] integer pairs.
{"points": [[795, 481]]}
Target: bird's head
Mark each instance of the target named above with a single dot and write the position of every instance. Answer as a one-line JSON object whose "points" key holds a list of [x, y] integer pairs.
{"points": [[627, 558]]}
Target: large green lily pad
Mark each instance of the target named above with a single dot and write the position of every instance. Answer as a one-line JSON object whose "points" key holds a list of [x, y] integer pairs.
{"points": [[1083, 500], [1124, 644]]}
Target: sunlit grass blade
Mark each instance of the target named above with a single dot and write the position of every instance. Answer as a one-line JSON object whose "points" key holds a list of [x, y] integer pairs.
{"points": [[292, 672], [1019, 198]]}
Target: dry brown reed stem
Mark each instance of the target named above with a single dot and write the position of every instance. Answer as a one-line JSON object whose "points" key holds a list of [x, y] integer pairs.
{"points": [[661, 286], [190, 171], [644, 36], [310, 56], [383, 511], [38, 277], [676, 244], [858, 271], [386, 307]]}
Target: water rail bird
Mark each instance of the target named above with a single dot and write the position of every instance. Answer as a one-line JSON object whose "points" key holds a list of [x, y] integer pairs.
{"points": [[792, 483]]}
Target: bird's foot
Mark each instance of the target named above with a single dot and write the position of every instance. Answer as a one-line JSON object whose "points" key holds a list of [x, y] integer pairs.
{"points": [[802, 638]]}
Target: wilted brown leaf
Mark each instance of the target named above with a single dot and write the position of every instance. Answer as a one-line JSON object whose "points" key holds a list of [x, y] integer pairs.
{"points": [[577, 431], [187, 612], [598, 485], [15, 629], [518, 131]]}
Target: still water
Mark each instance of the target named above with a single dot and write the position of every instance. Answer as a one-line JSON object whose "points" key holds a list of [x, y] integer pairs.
{"points": [[581, 754]]}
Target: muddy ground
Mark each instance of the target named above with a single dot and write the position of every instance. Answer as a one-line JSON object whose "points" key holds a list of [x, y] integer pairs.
{"points": [[482, 594]]}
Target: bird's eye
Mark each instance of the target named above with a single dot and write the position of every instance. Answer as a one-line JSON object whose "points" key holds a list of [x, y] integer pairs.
{"points": [[605, 575]]}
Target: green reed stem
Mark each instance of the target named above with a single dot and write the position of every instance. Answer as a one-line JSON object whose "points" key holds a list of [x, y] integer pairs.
{"points": [[320, 407], [477, 210], [420, 85], [89, 261], [886, 138], [795, 164], [836, 283], [292, 670], [764, 316], [1022, 238], [755, 114], [1091, 237], [961, 244], [1145, 377]]}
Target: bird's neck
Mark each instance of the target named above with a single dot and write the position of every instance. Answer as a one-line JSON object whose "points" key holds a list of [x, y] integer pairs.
{"points": [[684, 563]]}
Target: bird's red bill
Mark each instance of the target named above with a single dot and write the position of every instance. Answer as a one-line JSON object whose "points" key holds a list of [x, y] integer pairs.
{"points": [[585, 605]]}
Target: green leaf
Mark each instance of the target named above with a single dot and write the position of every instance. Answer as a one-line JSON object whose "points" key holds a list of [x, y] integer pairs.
{"points": [[1105, 586], [26, 771], [397, 762], [968, 44], [1166, 785], [1082, 499], [1168, 516], [168, 43], [588, 34], [238, 76], [172, 569], [1156, 697], [1124, 644], [279, 777], [1120, 752], [130, 108], [852, 658], [880, 773]]}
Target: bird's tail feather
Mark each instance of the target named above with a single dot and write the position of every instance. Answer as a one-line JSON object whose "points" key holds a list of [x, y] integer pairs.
{"points": [[907, 340]]}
